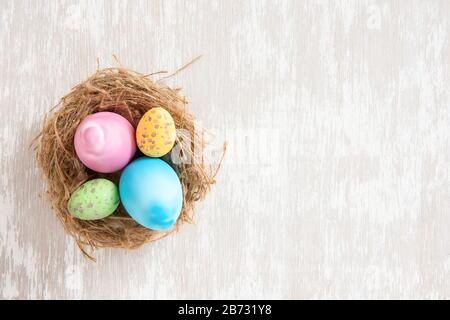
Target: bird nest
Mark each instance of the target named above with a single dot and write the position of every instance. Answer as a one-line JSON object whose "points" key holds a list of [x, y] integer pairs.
{"points": [[129, 94]]}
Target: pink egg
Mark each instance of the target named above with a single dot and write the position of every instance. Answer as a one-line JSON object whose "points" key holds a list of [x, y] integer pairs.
{"points": [[105, 142]]}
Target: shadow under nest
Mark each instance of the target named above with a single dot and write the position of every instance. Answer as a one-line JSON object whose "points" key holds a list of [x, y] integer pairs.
{"points": [[129, 94]]}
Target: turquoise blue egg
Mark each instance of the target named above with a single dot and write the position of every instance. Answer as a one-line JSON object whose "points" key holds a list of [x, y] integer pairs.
{"points": [[151, 193]]}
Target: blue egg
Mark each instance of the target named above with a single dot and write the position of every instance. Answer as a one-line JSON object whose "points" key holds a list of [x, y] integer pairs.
{"points": [[151, 193]]}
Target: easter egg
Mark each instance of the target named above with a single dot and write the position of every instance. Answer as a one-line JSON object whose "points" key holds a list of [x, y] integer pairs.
{"points": [[95, 199], [155, 133], [151, 193], [105, 142]]}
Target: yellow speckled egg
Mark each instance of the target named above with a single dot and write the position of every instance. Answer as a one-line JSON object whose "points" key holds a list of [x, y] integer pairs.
{"points": [[155, 133]]}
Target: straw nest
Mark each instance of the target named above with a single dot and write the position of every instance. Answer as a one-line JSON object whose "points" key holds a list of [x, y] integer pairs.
{"points": [[129, 94]]}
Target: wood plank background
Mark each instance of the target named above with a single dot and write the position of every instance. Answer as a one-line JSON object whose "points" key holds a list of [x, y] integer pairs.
{"points": [[336, 183]]}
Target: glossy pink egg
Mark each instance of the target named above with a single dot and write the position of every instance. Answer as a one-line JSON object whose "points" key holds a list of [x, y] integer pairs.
{"points": [[105, 142]]}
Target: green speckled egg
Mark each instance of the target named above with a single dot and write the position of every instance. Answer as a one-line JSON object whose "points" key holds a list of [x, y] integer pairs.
{"points": [[95, 199]]}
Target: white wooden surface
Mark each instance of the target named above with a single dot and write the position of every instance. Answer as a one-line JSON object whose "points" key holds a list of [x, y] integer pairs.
{"points": [[336, 183]]}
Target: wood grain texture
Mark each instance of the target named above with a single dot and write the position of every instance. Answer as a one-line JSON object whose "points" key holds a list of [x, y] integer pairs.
{"points": [[337, 114]]}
